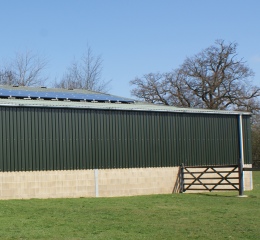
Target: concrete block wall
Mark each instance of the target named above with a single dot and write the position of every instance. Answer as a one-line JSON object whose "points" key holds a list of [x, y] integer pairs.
{"points": [[248, 178], [87, 183], [139, 181], [46, 184]]}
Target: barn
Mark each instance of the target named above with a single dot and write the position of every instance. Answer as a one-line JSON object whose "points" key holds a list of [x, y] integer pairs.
{"points": [[76, 143]]}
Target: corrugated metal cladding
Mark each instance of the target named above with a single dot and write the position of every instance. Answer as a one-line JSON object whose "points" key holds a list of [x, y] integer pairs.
{"points": [[57, 139]]}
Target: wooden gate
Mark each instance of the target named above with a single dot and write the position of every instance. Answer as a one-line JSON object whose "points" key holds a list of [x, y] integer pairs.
{"points": [[210, 178]]}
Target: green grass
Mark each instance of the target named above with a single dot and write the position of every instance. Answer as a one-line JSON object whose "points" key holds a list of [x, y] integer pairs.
{"points": [[173, 216]]}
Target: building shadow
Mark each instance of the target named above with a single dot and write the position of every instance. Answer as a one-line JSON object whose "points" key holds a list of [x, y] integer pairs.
{"points": [[178, 183]]}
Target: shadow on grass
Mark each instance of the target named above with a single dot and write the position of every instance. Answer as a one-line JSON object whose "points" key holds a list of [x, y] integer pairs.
{"points": [[217, 195], [224, 195]]}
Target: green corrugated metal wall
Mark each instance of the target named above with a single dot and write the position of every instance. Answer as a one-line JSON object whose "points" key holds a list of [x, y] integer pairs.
{"points": [[56, 139], [247, 139]]}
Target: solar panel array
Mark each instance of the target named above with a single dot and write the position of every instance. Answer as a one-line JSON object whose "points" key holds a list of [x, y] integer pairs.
{"points": [[51, 95]]}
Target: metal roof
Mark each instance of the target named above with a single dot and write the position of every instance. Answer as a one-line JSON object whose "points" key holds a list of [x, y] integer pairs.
{"points": [[134, 106], [85, 99]]}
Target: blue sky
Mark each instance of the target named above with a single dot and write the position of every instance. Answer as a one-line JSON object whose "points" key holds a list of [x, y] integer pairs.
{"points": [[134, 37]]}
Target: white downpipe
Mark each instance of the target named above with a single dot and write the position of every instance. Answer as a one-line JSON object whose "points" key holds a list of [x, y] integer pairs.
{"points": [[96, 182]]}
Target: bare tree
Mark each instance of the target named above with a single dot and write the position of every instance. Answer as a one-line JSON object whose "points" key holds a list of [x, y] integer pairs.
{"points": [[71, 79], [6, 77], [153, 88], [86, 74], [164, 88], [215, 79], [26, 69]]}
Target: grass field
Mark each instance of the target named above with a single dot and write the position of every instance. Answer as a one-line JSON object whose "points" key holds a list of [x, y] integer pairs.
{"points": [[177, 216]]}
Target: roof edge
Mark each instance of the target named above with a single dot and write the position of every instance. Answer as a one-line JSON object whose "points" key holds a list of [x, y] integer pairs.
{"points": [[113, 106]]}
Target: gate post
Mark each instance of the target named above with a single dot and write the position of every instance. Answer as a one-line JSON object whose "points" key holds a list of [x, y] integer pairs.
{"points": [[182, 178]]}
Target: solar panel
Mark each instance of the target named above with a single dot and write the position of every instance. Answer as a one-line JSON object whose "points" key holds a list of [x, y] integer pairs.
{"points": [[5, 93]]}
